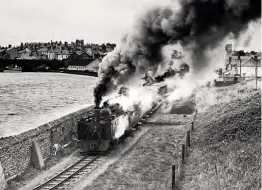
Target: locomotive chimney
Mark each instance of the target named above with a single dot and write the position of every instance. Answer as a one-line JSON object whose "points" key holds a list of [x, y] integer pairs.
{"points": [[97, 113]]}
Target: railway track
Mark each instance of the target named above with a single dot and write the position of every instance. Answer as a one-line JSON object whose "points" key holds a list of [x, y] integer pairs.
{"points": [[68, 176], [83, 166]]}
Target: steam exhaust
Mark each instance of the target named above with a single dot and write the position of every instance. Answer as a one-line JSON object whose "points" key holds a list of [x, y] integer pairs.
{"points": [[196, 25]]}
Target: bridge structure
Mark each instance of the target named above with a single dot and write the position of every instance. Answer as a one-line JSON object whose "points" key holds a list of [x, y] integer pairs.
{"points": [[31, 65]]}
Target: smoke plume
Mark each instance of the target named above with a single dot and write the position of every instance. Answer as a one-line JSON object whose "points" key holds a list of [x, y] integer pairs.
{"points": [[197, 25]]}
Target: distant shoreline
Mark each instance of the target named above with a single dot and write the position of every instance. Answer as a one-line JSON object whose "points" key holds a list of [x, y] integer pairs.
{"points": [[88, 73]]}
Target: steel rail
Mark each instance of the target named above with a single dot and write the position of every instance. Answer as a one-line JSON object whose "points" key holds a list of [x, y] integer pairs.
{"points": [[51, 184]]}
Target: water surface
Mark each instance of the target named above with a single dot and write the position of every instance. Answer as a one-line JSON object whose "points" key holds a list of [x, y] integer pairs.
{"points": [[28, 99]]}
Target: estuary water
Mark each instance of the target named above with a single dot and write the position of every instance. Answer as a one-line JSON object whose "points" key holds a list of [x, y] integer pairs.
{"points": [[31, 99]]}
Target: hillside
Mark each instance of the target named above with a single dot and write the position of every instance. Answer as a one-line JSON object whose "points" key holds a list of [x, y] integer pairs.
{"points": [[226, 144]]}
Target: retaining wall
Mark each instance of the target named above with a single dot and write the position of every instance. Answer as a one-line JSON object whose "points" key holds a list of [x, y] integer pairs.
{"points": [[55, 137]]}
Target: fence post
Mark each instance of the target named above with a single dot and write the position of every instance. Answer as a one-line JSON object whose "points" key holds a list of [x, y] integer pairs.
{"points": [[173, 176], [183, 153], [188, 139]]}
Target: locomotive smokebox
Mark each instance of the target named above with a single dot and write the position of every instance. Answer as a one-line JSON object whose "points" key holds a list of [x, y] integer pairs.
{"points": [[97, 113]]}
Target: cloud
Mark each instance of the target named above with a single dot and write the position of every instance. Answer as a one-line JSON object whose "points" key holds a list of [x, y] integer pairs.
{"points": [[95, 21]]}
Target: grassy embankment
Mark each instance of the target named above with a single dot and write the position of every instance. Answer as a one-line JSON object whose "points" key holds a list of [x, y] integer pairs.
{"points": [[226, 150]]}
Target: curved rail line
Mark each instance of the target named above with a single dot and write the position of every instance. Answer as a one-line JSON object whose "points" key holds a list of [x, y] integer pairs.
{"points": [[61, 180], [75, 171]]}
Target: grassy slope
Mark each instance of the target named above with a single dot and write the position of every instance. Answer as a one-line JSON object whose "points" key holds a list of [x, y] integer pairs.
{"points": [[148, 164], [226, 144]]}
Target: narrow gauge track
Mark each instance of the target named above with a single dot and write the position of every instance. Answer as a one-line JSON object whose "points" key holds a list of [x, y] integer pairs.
{"points": [[81, 167], [68, 176]]}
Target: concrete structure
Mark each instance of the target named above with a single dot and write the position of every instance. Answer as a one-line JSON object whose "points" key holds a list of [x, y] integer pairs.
{"points": [[37, 157], [15, 151], [2, 178]]}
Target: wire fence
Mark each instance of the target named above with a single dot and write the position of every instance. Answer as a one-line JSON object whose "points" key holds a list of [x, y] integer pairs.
{"points": [[177, 173]]}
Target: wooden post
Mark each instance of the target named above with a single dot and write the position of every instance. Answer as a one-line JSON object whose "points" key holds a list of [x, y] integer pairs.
{"points": [[240, 62], [183, 153], [188, 139], [173, 176], [256, 60], [192, 126]]}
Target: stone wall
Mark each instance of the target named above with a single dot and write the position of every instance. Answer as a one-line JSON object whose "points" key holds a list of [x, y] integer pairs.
{"points": [[53, 138]]}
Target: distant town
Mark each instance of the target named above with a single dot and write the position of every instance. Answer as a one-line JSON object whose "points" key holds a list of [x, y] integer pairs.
{"points": [[54, 50], [78, 55], [84, 58], [57, 50]]}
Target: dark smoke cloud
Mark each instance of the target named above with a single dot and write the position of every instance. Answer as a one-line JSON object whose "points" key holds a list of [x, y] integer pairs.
{"points": [[198, 25]]}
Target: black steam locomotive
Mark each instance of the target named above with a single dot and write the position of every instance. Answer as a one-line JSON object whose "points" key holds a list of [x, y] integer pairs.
{"points": [[96, 133]]}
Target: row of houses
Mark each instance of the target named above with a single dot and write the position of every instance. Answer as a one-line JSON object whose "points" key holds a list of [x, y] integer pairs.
{"points": [[45, 53], [54, 50]]}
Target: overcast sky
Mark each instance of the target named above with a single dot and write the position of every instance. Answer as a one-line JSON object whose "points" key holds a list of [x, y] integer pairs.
{"points": [[96, 21]]}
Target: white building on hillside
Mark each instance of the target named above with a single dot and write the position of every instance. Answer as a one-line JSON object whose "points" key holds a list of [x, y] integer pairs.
{"points": [[247, 67]]}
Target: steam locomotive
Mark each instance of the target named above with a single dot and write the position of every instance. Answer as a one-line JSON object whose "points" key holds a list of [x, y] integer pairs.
{"points": [[96, 133]]}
